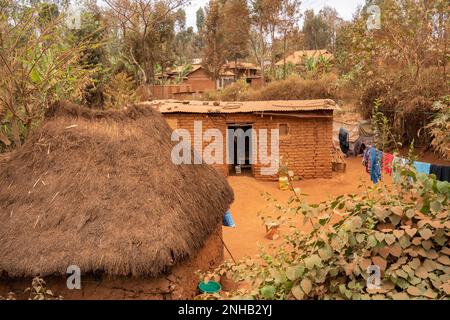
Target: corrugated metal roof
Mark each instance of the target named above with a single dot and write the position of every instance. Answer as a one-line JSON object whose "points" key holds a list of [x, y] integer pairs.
{"points": [[172, 106], [298, 56]]}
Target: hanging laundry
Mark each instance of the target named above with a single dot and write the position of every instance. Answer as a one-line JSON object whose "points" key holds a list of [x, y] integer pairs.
{"points": [[366, 159], [375, 157], [343, 140], [422, 167], [387, 163], [397, 165], [228, 220], [442, 172]]}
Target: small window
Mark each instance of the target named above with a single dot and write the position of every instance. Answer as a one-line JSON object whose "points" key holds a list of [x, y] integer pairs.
{"points": [[284, 129]]}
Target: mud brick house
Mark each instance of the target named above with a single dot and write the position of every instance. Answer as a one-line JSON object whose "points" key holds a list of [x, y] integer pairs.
{"points": [[232, 71], [305, 132], [198, 81]]}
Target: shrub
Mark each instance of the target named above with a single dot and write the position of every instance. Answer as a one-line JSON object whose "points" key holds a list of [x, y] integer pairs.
{"points": [[295, 88], [234, 91], [403, 230], [120, 91], [406, 101], [439, 128]]}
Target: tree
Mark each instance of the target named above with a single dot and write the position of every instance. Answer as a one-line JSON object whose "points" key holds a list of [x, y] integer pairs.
{"points": [[184, 46], [200, 19], [214, 50], [258, 36], [334, 22], [147, 30], [288, 17], [316, 30], [95, 58], [261, 16], [403, 63], [236, 28], [274, 26], [38, 66]]}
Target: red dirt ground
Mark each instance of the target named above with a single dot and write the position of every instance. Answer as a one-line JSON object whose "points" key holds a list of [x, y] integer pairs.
{"points": [[249, 232]]}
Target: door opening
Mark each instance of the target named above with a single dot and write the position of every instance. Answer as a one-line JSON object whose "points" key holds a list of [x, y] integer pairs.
{"points": [[240, 149]]}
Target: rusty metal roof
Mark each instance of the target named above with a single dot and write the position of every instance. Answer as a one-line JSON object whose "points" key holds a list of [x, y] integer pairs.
{"points": [[173, 106]]}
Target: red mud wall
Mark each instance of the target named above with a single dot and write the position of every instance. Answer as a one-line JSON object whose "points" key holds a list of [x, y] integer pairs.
{"points": [[180, 283], [307, 147]]}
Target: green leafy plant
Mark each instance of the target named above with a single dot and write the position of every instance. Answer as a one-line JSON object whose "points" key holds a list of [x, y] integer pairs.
{"points": [[38, 67], [403, 229], [439, 127], [120, 91], [40, 291], [384, 139]]}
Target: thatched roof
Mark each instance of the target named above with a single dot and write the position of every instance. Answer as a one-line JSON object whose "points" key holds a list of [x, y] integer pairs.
{"points": [[98, 189]]}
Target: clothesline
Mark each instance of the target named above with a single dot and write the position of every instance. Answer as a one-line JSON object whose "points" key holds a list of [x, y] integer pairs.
{"points": [[378, 162]]}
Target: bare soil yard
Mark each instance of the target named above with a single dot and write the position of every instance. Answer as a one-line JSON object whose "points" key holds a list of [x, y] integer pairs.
{"points": [[249, 232]]}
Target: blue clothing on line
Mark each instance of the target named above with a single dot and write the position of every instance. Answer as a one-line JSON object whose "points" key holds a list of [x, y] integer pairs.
{"points": [[422, 167], [375, 157]]}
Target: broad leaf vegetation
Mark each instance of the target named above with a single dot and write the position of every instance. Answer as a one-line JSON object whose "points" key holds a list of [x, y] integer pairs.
{"points": [[403, 230]]}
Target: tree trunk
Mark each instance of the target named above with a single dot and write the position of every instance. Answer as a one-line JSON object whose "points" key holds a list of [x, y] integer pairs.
{"points": [[4, 139], [284, 57], [235, 69], [263, 77], [16, 132], [144, 75]]}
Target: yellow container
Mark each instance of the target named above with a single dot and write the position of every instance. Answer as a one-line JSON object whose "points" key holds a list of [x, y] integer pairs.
{"points": [[284, 183]]}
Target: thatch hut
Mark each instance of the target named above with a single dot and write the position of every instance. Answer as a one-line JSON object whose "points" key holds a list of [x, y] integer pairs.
{"points": [[98, 189]]}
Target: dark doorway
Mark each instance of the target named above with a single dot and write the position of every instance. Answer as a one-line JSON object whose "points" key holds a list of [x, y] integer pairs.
{"points": [[240, 149]]}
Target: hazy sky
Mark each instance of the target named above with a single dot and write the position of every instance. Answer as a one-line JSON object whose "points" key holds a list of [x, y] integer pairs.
{"points": [[346, 8]]}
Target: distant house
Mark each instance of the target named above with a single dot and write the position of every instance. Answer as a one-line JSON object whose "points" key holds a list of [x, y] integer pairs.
{"points": [[240, 70], [197, 80], [298, 58]]}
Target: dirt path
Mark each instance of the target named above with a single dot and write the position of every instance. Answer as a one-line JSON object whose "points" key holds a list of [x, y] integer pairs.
{"points": [[244, 239]]}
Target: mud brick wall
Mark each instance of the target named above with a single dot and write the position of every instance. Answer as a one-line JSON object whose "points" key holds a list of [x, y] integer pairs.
{"points": [[180, 282], [306, 148]]}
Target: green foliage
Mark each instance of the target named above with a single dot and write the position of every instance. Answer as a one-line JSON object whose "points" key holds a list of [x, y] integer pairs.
{"points": [[39, 66], [214, 50], [295, 88], [316, 31], [404, 230], [40, 291], [234, 91], [439, 127], [183, 73], [285, 71], [95, 57], [236, 28], [403, 64], [384, 140], [120, 91]]}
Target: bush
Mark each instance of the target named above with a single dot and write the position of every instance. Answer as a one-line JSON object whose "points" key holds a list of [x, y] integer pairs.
{"points": [[404, 231], [295, 88], [234, 91], [406, 101], [439, 128], [120, 91]]}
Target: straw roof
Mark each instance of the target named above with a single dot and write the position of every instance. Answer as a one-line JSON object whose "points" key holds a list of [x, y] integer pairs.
{"points": [[98, 189]]}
